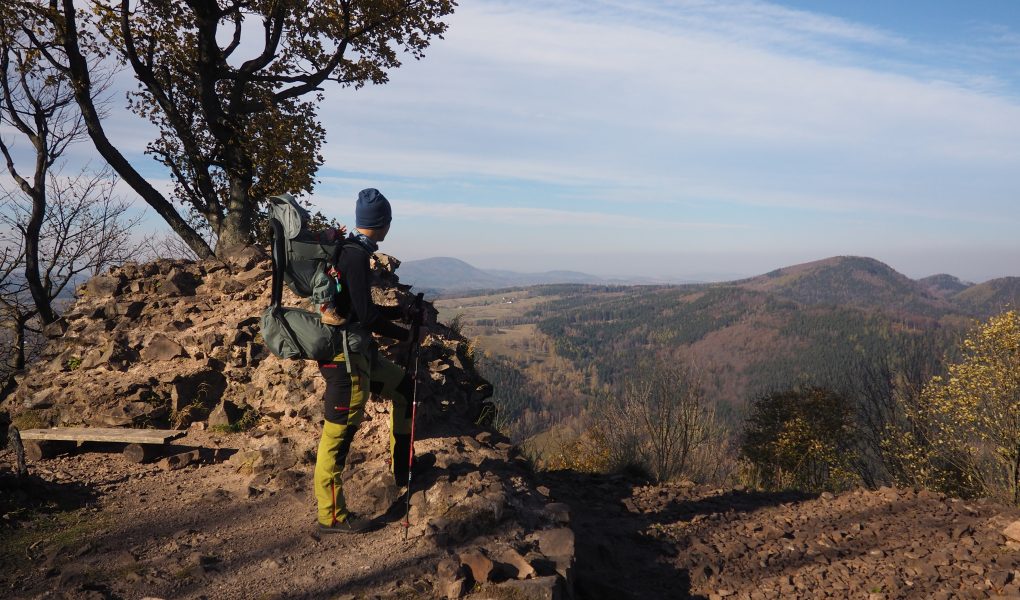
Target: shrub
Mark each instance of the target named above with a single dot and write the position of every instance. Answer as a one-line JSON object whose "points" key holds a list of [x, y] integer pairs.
{"points": [[249, 419], [966, 435], [800, 439], [659, 426], [586, 453]]}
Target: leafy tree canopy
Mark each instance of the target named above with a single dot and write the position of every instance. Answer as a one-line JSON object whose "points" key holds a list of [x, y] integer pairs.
{"points": [[233, 87]]}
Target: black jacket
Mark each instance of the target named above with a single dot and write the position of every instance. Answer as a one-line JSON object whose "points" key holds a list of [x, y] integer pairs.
{"points": [[356, 295]]}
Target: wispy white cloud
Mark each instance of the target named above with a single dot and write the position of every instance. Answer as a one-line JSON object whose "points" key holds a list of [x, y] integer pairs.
{"points": [[563, 96], [547, 216]]}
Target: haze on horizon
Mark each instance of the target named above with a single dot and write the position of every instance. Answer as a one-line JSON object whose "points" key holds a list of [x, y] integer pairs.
{"points": [[672, 138]]}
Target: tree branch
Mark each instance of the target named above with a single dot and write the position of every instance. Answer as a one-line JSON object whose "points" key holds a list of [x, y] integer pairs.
{"points": [[67, 34], [236, 39]]}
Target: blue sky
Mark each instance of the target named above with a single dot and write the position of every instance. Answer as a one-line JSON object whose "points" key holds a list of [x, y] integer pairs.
{"points": [[698, 137], [694, 138]]}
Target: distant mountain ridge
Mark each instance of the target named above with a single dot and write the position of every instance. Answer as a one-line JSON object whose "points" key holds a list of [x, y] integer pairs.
{"points": [[447, 274], [848, 281], [990, 297], [944, 285], [853, 281], [800, 323]]}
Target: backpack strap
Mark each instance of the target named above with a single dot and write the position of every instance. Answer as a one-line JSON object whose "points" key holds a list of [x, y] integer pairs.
{"points": [[344, 290], [279, 256]]}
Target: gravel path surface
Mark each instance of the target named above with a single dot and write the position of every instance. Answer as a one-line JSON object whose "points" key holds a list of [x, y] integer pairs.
{"points": [[678, 541]]}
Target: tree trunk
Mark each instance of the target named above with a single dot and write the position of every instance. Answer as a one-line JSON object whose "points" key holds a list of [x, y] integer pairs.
{"points": [[67, 32], [139, 453], [19, 357], [19, 341], [179, 461], [1016, 478], [40, 295], [14, 443], [237, 225], [36, 450]]}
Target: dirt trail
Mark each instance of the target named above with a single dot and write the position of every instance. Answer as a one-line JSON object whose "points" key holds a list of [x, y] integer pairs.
{"points": [[200, 532], [127, 530]]}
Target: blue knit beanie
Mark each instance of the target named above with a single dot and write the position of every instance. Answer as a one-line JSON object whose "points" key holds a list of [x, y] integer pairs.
{"points": [[373, 210]]}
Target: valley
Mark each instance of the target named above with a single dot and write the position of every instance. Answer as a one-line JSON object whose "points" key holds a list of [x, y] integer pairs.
{"points": [[824, 323]]}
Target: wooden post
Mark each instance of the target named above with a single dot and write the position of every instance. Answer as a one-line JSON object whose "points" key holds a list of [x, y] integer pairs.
{"points": [[140, 453], [36, 450], [179, 461], [14, 441]]}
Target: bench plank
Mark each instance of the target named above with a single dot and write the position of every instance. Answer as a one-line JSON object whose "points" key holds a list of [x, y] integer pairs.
{"points": [[104, 434]]}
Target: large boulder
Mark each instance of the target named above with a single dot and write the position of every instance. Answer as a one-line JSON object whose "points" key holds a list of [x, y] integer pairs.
{"points": [[160, 347], [105, 286]]}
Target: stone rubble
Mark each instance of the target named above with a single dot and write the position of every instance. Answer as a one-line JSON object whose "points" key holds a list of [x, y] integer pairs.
{"points": [[176, 344], [702, 542]]}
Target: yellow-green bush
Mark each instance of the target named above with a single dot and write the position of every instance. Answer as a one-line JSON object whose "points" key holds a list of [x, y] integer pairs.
{"points": [[800, 439], [966, 435], [586, 453]]}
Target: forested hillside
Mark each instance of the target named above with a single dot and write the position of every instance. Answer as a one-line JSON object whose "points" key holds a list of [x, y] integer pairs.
{"points": [[830, 323], [990, 297]]}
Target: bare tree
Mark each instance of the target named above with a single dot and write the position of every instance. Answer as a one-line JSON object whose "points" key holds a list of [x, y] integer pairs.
{"points": [[55, 229], [85, 229], [165, 245], [660, 422], [14, 311], [39, 104], [880, 388]]}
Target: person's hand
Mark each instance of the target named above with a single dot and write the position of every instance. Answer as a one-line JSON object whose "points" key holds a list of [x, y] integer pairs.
{"points": [[330, 235], [413, 313]]}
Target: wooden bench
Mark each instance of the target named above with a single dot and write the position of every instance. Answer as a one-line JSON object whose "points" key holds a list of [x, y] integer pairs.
{"points": [[142, 444]]}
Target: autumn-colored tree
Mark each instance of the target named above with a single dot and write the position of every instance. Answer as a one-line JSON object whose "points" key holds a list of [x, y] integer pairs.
{"points": [[967, 439], [233, 88], [801, 438], [659, 424]]}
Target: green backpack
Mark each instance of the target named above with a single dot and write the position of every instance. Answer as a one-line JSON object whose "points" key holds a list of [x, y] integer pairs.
{"points": [[301, 259], [306, 254]]}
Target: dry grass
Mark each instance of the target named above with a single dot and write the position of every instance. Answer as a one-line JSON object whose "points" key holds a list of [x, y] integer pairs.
{"points": [[493, 306], [522, 342]]}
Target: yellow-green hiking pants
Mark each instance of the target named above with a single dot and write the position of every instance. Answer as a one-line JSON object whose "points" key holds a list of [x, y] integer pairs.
{"points": [[345, 399]]}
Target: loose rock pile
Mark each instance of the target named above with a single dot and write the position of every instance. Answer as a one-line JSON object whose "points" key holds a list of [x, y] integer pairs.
{"points": [[694, 541], [176, 344], [851, 544]]}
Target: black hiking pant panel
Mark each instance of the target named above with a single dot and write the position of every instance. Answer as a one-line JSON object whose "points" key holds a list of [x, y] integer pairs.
{"points": [[405, 388], [337, 397], [401, 442]]}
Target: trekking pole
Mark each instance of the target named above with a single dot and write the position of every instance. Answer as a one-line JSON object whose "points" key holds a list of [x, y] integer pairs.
{"points": [[415, 339]]}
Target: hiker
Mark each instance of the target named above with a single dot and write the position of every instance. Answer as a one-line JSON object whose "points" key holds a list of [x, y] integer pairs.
{"points": [[351, 375]]}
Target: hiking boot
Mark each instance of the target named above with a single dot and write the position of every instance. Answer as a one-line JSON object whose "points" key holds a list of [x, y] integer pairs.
{"points": [[352, 524], [328, 316]]}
